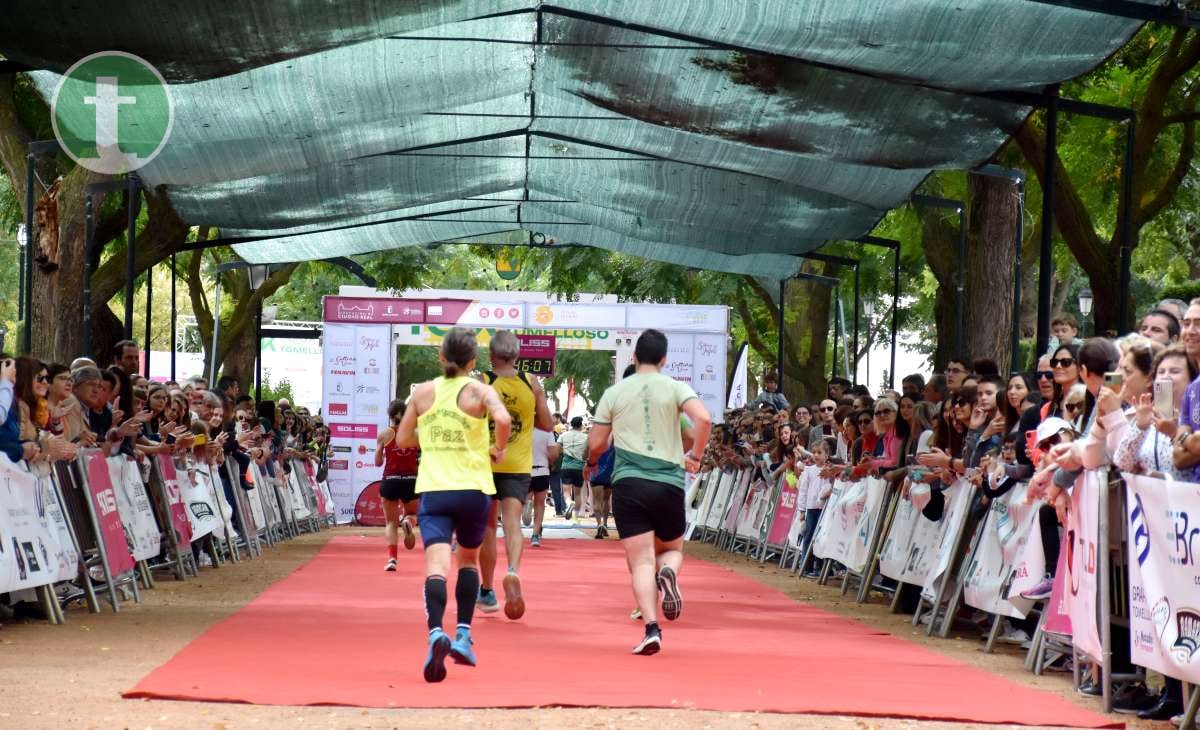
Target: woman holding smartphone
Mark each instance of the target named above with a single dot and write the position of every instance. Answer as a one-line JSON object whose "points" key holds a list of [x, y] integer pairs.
{"points": [[1145, 448]]}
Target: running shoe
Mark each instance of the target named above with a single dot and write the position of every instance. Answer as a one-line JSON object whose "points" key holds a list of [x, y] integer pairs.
{"points": [[536, 540], [1013, 635], [651, 644], [1041, 591], [514, 604], [391, 565], [527, 515], [599, 533], [460, 649], [435, 660], [570, 510], [487, 601], [410, 537], [672, 602]]}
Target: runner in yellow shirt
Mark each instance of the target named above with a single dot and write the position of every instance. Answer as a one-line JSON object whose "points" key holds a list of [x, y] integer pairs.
{"points": [[454, 483]]}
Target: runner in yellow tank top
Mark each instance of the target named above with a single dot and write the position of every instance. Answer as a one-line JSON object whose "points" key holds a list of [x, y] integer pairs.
{"points": [[454, 483], [525, 402]]}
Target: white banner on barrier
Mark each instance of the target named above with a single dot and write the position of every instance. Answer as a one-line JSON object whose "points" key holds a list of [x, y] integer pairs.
{"points": [[1083, 527], [718, 497], [754, 508], [201, 509], [300, 509], [937, 558], [32, 527], [1164, 581], [1002, 544], [851, 520], [133, 504]]}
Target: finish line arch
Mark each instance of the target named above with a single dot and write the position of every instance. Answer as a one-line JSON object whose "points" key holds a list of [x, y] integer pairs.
{"points": [[362, 329]]}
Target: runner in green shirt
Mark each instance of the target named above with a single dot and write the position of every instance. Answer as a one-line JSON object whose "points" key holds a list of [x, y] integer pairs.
{"points": [[642, 413]]}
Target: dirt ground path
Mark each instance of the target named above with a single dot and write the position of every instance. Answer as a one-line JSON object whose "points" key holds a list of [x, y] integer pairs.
{"points": [[71, 676]]}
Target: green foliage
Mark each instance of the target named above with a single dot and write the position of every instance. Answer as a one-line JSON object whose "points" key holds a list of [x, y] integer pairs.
{"points": [[1187, 291], [277, 390], [592, 371]]}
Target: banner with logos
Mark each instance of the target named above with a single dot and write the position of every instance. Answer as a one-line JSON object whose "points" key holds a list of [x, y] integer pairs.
{"points": [[910, 552], [1083, 531], [737, 388], [198, 498], [104, 504], [997, 562], [941, 553], [133, 504], [784, 523], [852, 516], [1164, 581], [36, 547], [754, 507], [176, 507], [358, 375]]}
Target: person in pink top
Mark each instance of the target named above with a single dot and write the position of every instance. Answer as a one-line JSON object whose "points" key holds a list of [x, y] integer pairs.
{"points": [[888, 446]]}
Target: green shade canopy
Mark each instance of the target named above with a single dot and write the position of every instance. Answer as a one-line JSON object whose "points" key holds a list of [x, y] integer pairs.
{"points": [[718, 134]]}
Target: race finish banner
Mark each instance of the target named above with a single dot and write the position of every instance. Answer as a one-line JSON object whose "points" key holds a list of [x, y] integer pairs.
{"points": [[1164, 610], [537, 355]]}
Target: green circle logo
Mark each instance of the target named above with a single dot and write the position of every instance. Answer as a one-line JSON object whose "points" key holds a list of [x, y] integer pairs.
{"points": [[112, 112]]}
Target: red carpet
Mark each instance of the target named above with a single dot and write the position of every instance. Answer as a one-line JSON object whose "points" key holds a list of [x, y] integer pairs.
{"points": [[341, 631]]}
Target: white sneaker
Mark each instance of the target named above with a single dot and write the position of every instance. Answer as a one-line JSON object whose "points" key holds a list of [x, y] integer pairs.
{"points": [[527, 515], [205, 561], [1013, 635], [649, 645]]}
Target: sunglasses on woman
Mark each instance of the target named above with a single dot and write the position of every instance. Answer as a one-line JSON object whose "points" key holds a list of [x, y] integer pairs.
{"points": [[1073, 406], [1062, 362], [42, 378], [1045, 375]]}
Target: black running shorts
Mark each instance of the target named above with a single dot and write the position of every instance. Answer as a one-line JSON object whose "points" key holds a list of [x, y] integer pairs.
{"points": [[511, 486], [642, 505], [539, 483], [572, 477], [403, 489]]}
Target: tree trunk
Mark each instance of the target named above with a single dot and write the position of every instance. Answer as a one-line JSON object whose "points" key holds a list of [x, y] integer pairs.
{"points": [[992, 212], [939, 239], [806, 338]]}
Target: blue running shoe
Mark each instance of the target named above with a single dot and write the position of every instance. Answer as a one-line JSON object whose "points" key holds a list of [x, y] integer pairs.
{"points": [[460, 649], [435, 660], [487, 601]]}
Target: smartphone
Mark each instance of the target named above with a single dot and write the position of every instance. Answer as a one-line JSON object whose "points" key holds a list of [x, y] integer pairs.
{"points": [[1114, 380], [910, 460], [1164, 398]]}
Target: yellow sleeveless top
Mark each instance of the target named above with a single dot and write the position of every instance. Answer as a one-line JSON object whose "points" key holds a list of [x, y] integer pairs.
{"points": [[517, 396], [454, 445]]}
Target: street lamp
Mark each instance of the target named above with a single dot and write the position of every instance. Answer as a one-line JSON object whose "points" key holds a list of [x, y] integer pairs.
{"points": [[1085, 302]]}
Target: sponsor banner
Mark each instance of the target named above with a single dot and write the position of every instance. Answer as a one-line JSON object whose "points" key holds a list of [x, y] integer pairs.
{"points": [[910, 549], [565, 339], [737, 389], [715, 508], [853, 514], [371, 310], [201, 509], [104, 503], [211, 482], [479, 314], [32, 530], [958, 503], [64, 557], [1001, 547], [1058, 620], [1164, 581], [537, 354], [176, 507], [681, 349], [267, 502], [295, 490], [783, 521], [133, 504], [708, 373], [575, 316], [736, 500], [1083, 529], [677, 317], [754, 508]]}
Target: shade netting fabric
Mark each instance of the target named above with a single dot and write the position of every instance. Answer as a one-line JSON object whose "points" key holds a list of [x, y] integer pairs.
{"points": [[723, 134]]}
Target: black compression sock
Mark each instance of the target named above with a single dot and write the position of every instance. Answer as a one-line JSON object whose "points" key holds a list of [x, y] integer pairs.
{"points": [[435, 600], [466, 592], [652, 628]]}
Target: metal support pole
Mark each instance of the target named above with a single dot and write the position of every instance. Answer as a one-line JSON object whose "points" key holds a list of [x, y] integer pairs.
{"points": [[960, 283], [857, 304], [20, 280], [130, 235], [89, 233], [258, 355], [895, 312], [1015, 345], [212, 368], [837, 329], [1046, 254], [782, 316], [173, 317], [149, 318], [27, 272], [1123, 323]]}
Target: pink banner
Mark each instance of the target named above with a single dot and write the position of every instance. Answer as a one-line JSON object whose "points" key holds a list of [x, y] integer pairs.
{"points": [[104, 502], [374, 310], [1058, 621], [311, 471], [175, 505], [785, 512], [1082, 584], [353, 430]]}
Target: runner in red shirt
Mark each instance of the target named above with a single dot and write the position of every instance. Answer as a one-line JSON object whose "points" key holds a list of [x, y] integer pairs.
{"points": [[399, 484]]}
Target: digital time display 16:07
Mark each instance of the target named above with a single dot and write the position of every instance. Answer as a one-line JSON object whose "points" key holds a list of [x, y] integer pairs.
{"points": [[540, 366]]}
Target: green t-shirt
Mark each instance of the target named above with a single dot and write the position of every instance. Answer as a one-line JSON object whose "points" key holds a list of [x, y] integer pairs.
{"points": [[574, 449], [643, 411]]}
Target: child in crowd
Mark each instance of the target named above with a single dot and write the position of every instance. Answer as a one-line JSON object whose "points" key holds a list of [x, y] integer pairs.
{"points": [[1064, 330], [814, 491]]}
